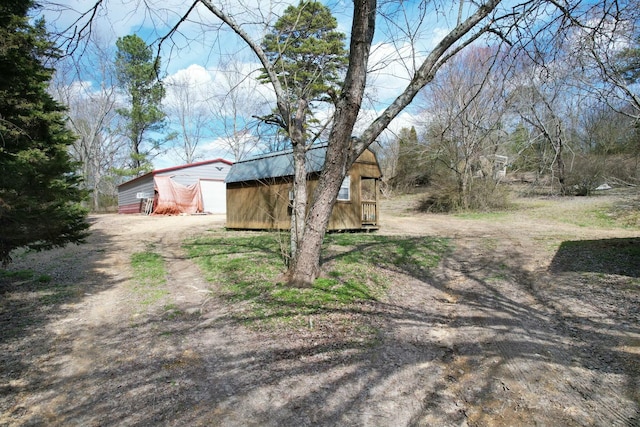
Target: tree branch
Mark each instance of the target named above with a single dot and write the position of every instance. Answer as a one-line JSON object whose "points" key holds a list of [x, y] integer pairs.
{"points": [[283, 106], [426, 72]]}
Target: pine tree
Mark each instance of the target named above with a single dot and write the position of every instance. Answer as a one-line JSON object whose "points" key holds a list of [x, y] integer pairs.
{"points": [[627, 62], [308, 58], [137, 72], [40, 191], [307, 52]]}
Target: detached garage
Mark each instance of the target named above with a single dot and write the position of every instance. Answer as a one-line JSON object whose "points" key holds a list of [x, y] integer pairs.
{"points": [[193, 188]]}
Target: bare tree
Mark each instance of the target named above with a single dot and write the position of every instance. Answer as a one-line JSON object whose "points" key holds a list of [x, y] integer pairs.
{"points": [[188, 114], [465, 108], [600, 51], [92, 117], [605, 131], [567, 73], [239, 98], [547, 90], [542, 100]]}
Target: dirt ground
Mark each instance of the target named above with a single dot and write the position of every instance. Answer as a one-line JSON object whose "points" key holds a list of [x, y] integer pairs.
{"points": [[516, 327]]}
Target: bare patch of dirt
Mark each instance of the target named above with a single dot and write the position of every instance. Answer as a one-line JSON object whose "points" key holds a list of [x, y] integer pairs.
{"points": [[524, 323]]}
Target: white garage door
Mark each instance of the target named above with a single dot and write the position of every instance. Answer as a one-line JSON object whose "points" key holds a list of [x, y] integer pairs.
{"points": [[214, 196]]}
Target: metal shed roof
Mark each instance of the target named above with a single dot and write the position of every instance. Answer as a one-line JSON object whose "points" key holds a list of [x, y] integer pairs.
{"points": [[174, 168], [275, 165]]}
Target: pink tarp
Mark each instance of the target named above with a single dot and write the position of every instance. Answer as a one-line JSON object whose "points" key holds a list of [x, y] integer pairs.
{"points": [[175, 198]]}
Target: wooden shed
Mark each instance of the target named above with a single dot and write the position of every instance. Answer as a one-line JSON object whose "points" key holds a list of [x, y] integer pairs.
{"points": [[259, 191], [203, 182]]}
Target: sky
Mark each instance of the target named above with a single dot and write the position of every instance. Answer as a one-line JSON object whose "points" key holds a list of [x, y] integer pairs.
{"points": [[202, 55]]}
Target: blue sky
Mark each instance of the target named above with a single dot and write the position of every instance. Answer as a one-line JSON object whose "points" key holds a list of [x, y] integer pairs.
{"points": [[199, 52]]}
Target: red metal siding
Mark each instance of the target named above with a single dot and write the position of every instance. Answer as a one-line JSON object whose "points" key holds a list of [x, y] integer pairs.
{"points": [[131, 208]]}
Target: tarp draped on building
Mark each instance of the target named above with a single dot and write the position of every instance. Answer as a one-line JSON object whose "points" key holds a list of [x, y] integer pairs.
{"points": [[207, 177], [175, 198]]}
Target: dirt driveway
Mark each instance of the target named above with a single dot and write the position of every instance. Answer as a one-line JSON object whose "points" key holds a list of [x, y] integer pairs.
{"points": [[517, 327]]}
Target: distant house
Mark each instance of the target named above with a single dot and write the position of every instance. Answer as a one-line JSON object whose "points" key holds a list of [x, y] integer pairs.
{"points": [[193, 188], [259, 192]]}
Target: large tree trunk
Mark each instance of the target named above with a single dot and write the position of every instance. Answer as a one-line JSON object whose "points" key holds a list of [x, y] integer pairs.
{"points": [[305, 266], [341, 153], [299, 203]]}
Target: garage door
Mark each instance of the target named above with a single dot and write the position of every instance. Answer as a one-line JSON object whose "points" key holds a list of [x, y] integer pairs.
{"points": [[214, 196]]}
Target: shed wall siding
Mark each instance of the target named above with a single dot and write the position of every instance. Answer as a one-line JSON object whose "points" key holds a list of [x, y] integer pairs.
{"points": [[265, 204], [127, 194], [260, 206], [127, 202], [346, 214], [132, 208]]}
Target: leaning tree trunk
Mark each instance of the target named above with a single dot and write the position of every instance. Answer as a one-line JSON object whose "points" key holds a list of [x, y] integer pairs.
{"points": [[305, 265]]}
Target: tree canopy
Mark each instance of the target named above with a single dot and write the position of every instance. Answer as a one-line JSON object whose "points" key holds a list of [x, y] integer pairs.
{"points": [[306, 50], [137, 71], [40, 191]]}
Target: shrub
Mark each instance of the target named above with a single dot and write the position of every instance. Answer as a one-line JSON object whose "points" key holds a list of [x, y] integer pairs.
{"points": [[483, 194]]}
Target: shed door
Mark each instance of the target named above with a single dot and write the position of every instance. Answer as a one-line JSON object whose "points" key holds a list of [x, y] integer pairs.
{"points": [[214, 196]]}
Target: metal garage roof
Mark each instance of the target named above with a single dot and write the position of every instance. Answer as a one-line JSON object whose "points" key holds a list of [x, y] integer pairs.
{"points": [[274, 165]]}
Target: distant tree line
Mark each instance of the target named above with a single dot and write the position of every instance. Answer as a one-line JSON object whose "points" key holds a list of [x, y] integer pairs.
{"points": [[556, 134]]}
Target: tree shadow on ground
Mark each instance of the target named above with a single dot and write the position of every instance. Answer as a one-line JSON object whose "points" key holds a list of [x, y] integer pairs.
{"points": [[608, 256], [35, 294], [478, 340]]}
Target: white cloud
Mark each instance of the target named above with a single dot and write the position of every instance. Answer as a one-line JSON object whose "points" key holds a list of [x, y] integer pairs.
{"points": [[234, 82], [194, 81], [390, 70], [194, 73], [392, 66], [214, 148]]}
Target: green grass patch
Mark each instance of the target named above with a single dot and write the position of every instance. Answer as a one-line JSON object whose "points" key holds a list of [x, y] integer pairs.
{"points": [[44, 278], [172, 311], [57, 294], [149, 276], [355, 270], [625, 213], [593, 218], [43, 290], [579, 212], [412, 255], [17, 275]]}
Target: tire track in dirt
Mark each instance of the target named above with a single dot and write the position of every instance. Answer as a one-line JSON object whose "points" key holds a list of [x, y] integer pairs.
{"points": [[590, 342], [523, 368], [531, 350]]}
